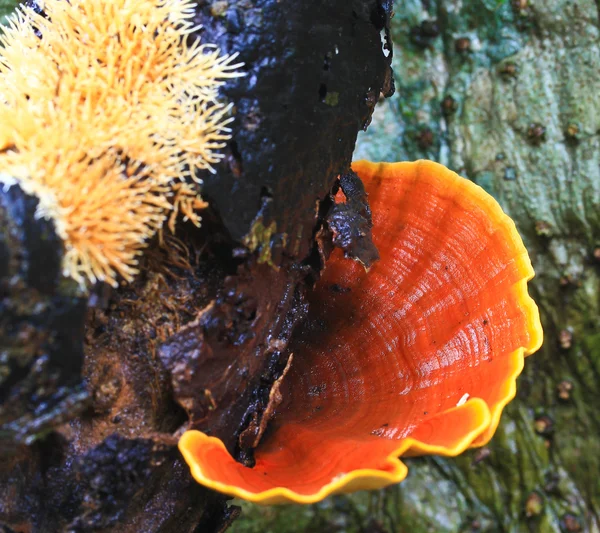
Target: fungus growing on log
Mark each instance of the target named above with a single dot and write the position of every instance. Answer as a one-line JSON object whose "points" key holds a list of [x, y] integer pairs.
{"points": [[417, 356], [106, 114], [81, 364]]}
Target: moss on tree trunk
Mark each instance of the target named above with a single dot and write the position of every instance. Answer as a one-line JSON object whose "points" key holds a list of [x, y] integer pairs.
{"points": [[507, 94]]}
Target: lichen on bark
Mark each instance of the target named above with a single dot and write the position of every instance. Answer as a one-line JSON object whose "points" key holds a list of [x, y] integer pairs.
{"points": [[507, 93]]}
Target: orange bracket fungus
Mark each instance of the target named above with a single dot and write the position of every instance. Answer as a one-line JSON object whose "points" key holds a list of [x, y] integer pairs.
{"points": [[419, 355]]}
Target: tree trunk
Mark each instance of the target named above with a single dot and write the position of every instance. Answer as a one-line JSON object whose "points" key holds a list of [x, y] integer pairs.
{"points": [[507, 94]]}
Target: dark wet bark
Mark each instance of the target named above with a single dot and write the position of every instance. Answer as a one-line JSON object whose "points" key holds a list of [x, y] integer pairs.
{"points": [[93, 401]]}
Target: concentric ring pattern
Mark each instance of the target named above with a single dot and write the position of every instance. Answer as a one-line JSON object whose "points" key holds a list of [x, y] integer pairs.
{"points": [[418, 355]]}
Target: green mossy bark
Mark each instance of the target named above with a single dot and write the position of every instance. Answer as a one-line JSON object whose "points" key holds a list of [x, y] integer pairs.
{"points": [[6, 8], [531, 64]]}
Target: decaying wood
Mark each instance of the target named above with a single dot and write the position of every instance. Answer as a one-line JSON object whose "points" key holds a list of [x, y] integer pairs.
{"points": [[93, 401]]}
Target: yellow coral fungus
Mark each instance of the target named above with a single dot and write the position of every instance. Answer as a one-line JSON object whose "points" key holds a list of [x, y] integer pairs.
{"points": [[106, 113]]}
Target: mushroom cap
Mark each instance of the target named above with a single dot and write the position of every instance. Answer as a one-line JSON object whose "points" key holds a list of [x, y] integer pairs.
{"points": [[419, 355]]}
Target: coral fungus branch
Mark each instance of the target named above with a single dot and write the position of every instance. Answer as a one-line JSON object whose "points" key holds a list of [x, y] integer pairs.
{"points": [[106, 114]]}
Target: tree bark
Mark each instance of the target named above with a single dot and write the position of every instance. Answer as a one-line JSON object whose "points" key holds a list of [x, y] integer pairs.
{"points": [[507, 94]]}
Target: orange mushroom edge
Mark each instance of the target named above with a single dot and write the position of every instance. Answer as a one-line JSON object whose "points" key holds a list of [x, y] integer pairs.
{"points": [[419, 355]]}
